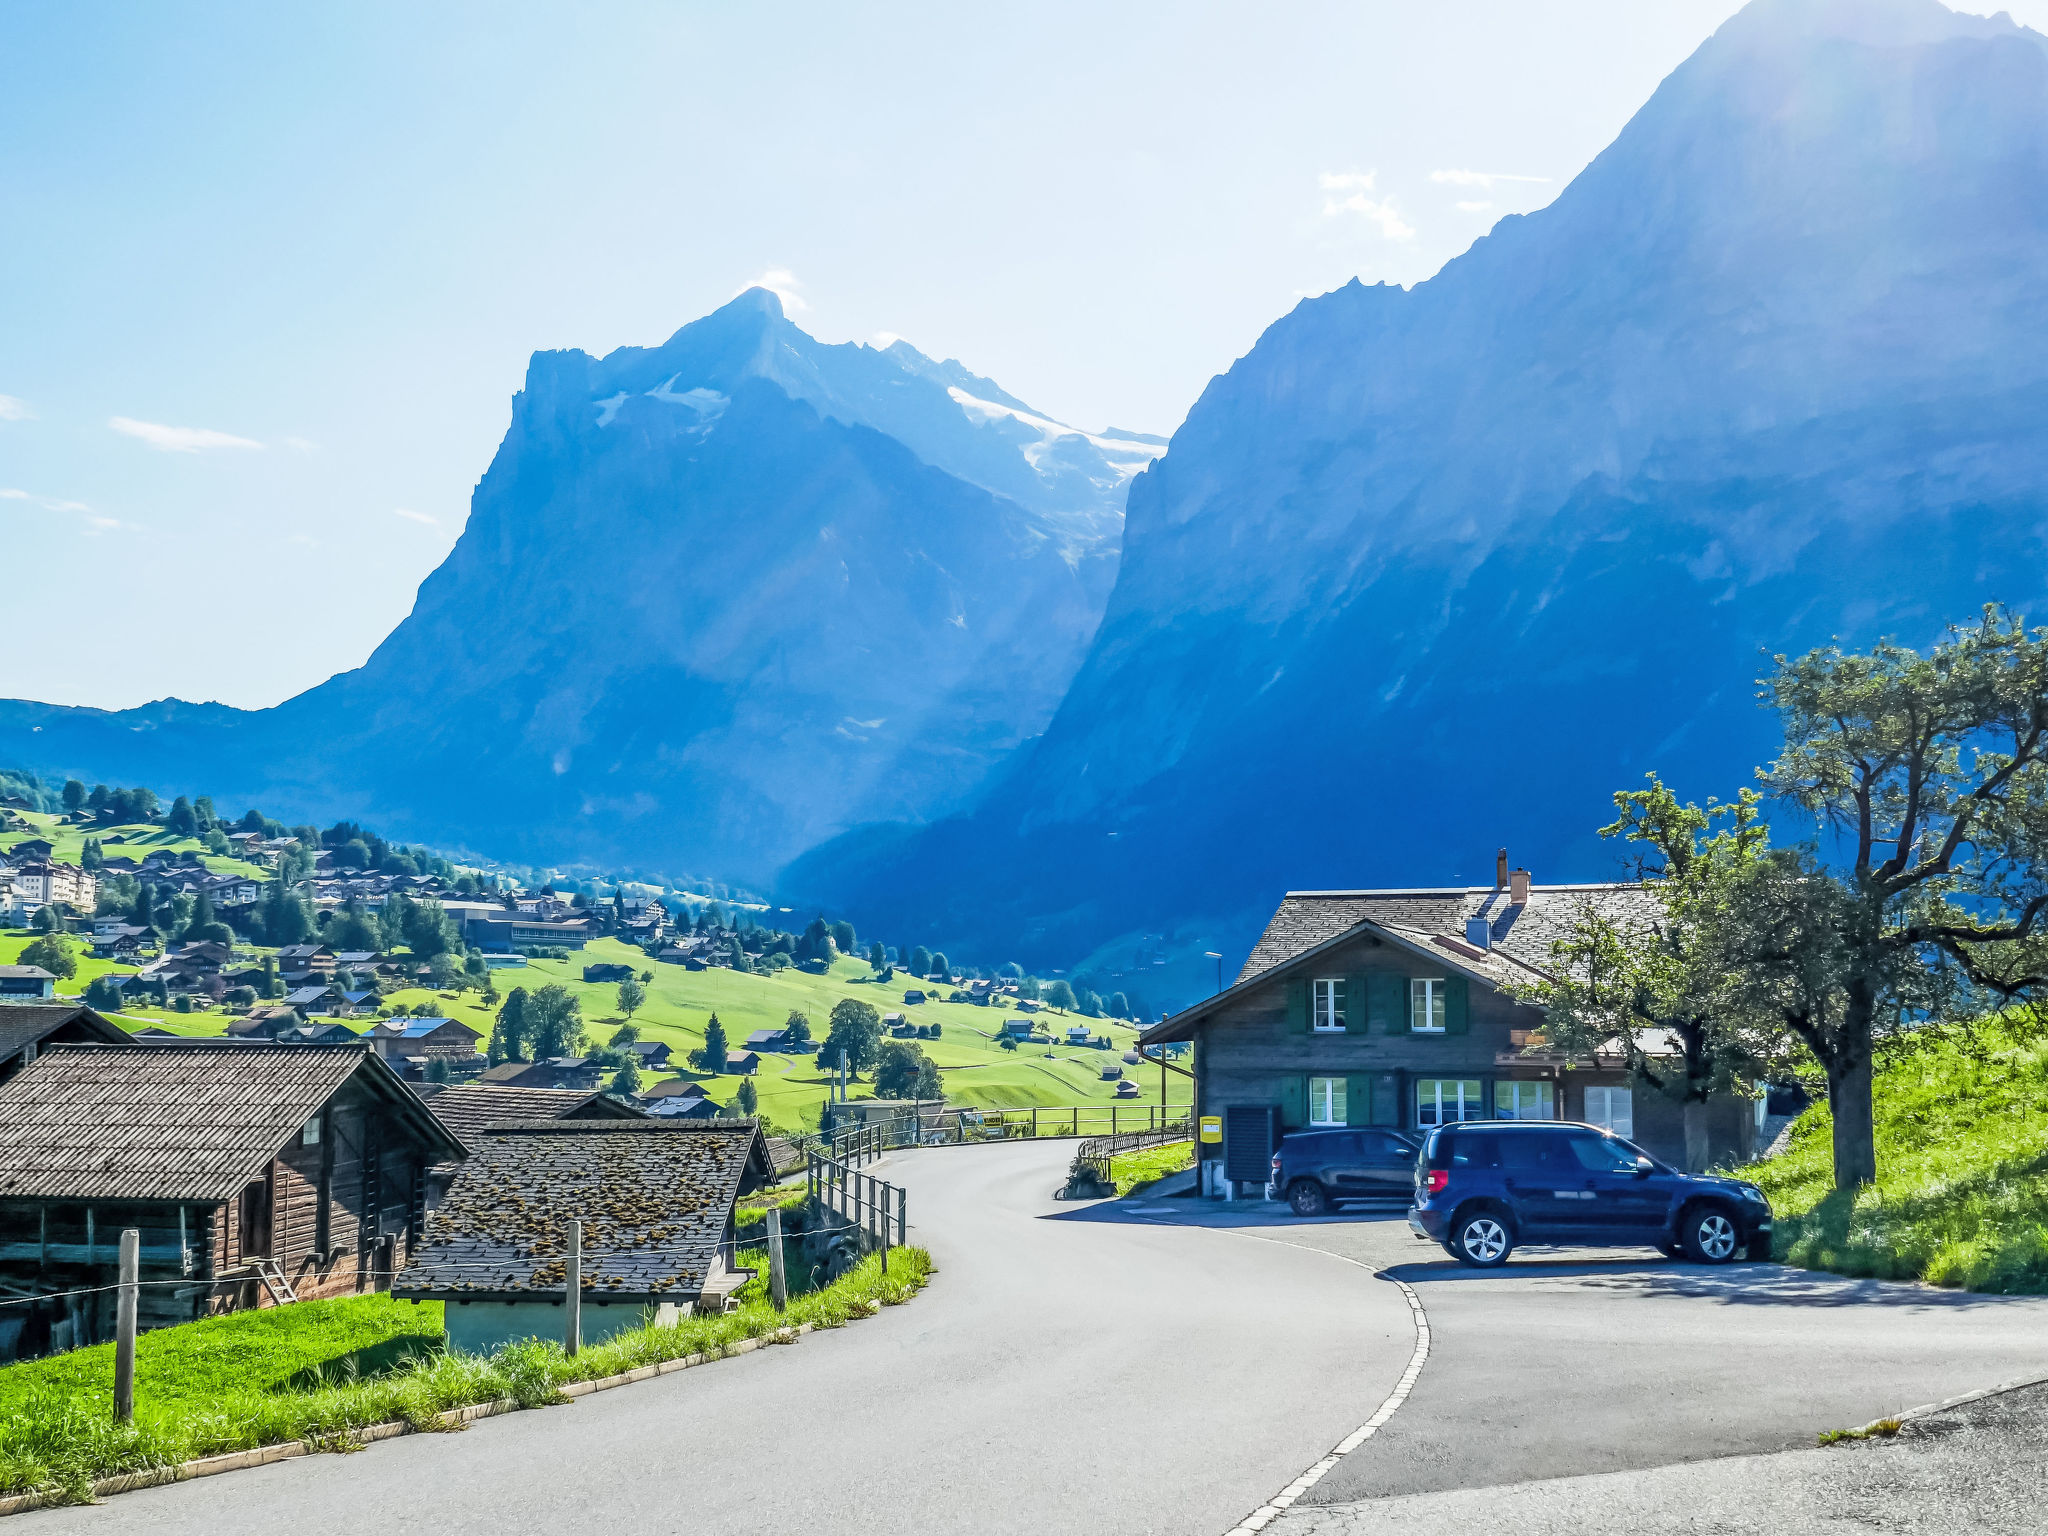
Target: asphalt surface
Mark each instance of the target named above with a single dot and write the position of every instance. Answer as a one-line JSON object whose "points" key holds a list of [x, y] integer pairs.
{"points": [[1057, 1375], [1572, 1362], [1979, 1469]]}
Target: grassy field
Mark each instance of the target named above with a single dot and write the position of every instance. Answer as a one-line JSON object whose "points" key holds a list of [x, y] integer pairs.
{"points": [[136, 841], [680, 1003], [1961, 1197], [57, 1435]]}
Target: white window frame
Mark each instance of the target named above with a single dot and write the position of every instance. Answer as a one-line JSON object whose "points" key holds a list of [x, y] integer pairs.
{"points": [[1470, 1106], [1537, 1090], [1426, 1013], [1612, 1099], [1325, 1017], [1332, 1100]]}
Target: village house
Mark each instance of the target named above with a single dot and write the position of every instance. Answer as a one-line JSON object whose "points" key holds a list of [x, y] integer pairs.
{"points": [[410, 1044], [298, 962], [652, 1055], [577, 1072], [26, 984], [39, 883], [659, 1239], [255, 1173], [1396, 1008], [467, 1109], [27, 1027]]}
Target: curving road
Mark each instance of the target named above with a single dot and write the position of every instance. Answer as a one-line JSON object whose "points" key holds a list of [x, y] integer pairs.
{"points": [[1061, 1373]]}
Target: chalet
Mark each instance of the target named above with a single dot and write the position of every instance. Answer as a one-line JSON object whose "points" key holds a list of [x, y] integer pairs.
{"points": [[913, 997], [468, 1108], [1396, 1008], [30, 849], [652, 1055], [659, 1238], [122, 942], [1017, 1029], [742, 1063], [256, 1174], [26, 984], [768, 1040], [317, 999], [26, 1028], [265, 1022], [233, 891], [301, 960], [355, 959], [578, 1072], [607, 972], [450, 1039], [317, 1034]]}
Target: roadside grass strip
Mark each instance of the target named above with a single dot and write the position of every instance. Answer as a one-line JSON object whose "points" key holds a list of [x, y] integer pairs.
{"points": [[1961, 1197], [59, 1444], [1151, 1165]]}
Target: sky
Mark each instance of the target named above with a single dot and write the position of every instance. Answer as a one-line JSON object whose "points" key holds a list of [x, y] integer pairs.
{"points": [[270, 276]]}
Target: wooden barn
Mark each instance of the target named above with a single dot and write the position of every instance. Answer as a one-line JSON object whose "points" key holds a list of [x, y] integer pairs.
{"points": [[26, 1029], [256, 1174]]}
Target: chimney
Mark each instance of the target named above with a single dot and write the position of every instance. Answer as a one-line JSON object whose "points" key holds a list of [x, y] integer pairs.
{"points": [[1518, 888], [1500, 870]]}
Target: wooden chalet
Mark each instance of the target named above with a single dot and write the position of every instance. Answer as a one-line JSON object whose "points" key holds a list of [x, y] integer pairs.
{"points": [[27, 1028], [256, 1173], [467, 1108]]}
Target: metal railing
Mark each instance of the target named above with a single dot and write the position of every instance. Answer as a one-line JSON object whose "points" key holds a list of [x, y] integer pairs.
{"points": [[1098, 1152]]}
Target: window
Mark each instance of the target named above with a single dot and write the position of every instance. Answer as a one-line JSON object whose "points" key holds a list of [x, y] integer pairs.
{"points": [[1443, 1100], [1326, 1104], [1328, 996], [1524, 1101], [309, 1133], [1602, 1154], [1611, 1109], [1426, 1005]]}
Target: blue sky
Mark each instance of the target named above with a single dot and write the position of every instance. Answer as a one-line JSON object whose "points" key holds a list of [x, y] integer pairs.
{"points": [[268, 281]]}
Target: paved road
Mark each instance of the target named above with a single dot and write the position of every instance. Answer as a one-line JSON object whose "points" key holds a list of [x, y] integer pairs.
{"points": [[1058, 1375], [1977, 1469], [1571, 1363]]}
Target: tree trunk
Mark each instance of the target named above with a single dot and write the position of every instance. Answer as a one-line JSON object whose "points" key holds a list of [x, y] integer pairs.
{"points": [[1855, 1128], [1695, 1112]]}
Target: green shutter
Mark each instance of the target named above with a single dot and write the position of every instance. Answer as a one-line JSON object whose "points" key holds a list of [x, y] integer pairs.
{"points": [[1297, 1008], [1389, 994], [1293, 1103], [1457, 994], [1358, 1100], [1357, 1012]]}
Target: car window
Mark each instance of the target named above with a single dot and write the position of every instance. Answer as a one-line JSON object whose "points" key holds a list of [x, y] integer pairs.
{"points": [[1380, 1144], [1602, 1154], [1536, 1154], [1474, 1150]]}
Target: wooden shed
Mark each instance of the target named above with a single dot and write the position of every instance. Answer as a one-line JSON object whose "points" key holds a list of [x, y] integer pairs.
{"points": [[256, 1173]]}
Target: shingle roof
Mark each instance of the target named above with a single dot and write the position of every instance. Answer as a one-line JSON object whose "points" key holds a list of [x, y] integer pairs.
{"points": [[186, 1120], [1308, 918], [26, 1024], [467, 1108], [653, 1197]]}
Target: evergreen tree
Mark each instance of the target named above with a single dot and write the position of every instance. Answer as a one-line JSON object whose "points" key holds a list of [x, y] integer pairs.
{"points": [[749, 1101], [878, 957], [509, 1036], [626, 1081], [711, 1057]]}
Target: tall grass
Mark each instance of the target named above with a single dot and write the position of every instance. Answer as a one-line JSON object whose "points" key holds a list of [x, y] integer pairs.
{"points": [[57, 1443], [1961, 1197]]}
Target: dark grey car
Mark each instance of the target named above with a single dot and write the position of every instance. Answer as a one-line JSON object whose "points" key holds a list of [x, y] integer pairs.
{"points": [[1314, 1170]]}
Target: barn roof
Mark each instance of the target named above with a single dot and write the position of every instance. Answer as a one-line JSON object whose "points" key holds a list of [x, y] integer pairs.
{"points": [[186, 1120], [467, 1108], [654, 1198], [26, 1024]]}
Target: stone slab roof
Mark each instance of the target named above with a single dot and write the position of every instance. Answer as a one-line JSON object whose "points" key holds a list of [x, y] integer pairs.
{"points": [[468, 1108], [654, 1198]]}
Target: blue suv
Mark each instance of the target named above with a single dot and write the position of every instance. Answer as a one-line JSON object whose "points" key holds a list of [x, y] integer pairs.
{"points": [[1482, 1187]]}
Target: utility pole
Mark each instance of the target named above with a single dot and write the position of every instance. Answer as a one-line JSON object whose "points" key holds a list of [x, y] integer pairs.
{"points": [[124, 1327], [572, 1323]]}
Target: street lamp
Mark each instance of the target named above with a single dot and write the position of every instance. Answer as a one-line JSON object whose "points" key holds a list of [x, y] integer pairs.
{"points": [[1210, 954]]}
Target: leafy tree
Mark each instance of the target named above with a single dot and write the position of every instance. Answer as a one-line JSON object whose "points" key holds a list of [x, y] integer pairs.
{"points": [[48, 920], [903, 1071], [1660, 969], [856, 1029], [427, 929], [180, 818], [511, 1034], [878, 957], [202, 812], [1028, 988], [797, 1027], [842, 937], [101, 993], [272, 987], [920, 961], [816, 943], [74, 796], [1008, 1042], [286, 917], [554, 1022], [203, 926], [1928, 776], [447, 972], [53, 953], [747, 1100], [1118, 1006], [626, 1081], [939, 966], [625, 1035], [631, 996], [1088, 1004], [711, 1056], [437, 1069], [1060, 995]]}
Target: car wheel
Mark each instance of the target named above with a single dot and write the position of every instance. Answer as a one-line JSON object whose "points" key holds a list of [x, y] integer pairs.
{"points": [[1307, 1198], [1481, 1240], [1710, 1235]]}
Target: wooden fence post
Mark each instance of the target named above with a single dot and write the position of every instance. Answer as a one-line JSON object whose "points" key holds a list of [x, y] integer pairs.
{"points": [[778, 1286], [124, 1327], [572, 1296]]}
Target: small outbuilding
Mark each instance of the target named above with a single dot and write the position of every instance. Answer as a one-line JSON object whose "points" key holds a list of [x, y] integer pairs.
{"points": [[656, 1201]]}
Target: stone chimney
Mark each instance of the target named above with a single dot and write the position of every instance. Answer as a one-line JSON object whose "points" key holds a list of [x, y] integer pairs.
{"points": [[1500, 870], [1518, 888]]}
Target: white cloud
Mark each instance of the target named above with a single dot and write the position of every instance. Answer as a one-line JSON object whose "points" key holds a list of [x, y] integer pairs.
{"points": [[12, 409], [1474, 207], [781, 282], [10, 494], [178, 439], [415, 517], [1345, 193], [1347, 181], [1480, 178]]}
